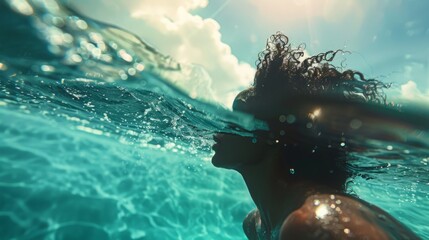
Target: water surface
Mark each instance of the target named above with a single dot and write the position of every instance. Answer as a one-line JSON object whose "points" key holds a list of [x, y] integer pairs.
{"points": [[101, 138]]}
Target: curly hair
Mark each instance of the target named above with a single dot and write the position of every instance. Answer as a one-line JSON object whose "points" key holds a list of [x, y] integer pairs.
{"points": [[283, 72], [280, 67]]}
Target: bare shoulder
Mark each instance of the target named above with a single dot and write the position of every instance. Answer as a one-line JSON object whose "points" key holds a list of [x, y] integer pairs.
{"points": [[341, 217], [251, 223]]}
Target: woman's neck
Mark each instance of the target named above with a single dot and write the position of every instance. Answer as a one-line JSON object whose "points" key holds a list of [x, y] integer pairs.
{"points": [[274, 197]]}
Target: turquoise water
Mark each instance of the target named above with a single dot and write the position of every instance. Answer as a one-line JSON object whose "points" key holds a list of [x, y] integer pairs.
{"points": [[99, 140]]}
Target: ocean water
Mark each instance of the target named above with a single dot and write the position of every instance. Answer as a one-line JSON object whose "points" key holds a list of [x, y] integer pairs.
{"points": [[101, 138]]}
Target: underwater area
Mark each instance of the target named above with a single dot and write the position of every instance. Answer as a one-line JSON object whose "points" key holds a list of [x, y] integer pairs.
{"points": [[101, 139]]}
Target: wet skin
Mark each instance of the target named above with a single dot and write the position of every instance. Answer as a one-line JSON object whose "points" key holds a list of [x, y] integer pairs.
{"points": [[312, 211], [300, 209]]}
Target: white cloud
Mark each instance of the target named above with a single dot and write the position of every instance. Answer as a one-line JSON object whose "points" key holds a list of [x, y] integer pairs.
{"points": [[410, 92], [174, 30]]}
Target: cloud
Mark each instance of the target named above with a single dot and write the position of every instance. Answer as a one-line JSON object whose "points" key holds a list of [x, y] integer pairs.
{"points": [[410, 92], [174, 30]]}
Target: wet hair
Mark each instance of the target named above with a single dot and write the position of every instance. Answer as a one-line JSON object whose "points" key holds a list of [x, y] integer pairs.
{"points": [[281, 67], [284, 72]]}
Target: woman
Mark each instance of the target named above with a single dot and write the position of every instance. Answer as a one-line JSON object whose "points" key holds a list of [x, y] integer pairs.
{"points": [[296, 172]]}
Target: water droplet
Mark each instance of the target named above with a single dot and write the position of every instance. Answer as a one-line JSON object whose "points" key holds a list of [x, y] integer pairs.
{"points": [[290, 118], [139, 67], [309, 125], [81, 24], [292, 171], [76, 58], [356, 124], [282, 118], [67, 38], [132, 71], [254, 140], [125, 56], [282, 132], [390, 148], [343, 144], [346, 230], [22, 7], [316, 202], [57, 21], [96, 52], [3, 67], [123, 75], [47, 68]]}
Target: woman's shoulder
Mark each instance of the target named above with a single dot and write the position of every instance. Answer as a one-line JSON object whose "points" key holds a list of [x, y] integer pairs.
{"points": [[251, 224], [332, 216]]}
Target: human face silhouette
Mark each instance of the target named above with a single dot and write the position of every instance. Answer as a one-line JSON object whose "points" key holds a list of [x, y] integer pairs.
{"points": [[233, 151]]}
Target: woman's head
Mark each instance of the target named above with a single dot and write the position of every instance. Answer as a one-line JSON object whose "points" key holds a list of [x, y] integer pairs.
{"points": [[283, 73], [286, 93]]}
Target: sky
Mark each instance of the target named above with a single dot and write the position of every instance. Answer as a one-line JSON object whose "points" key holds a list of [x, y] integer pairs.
{"points": [[388, 39]]}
